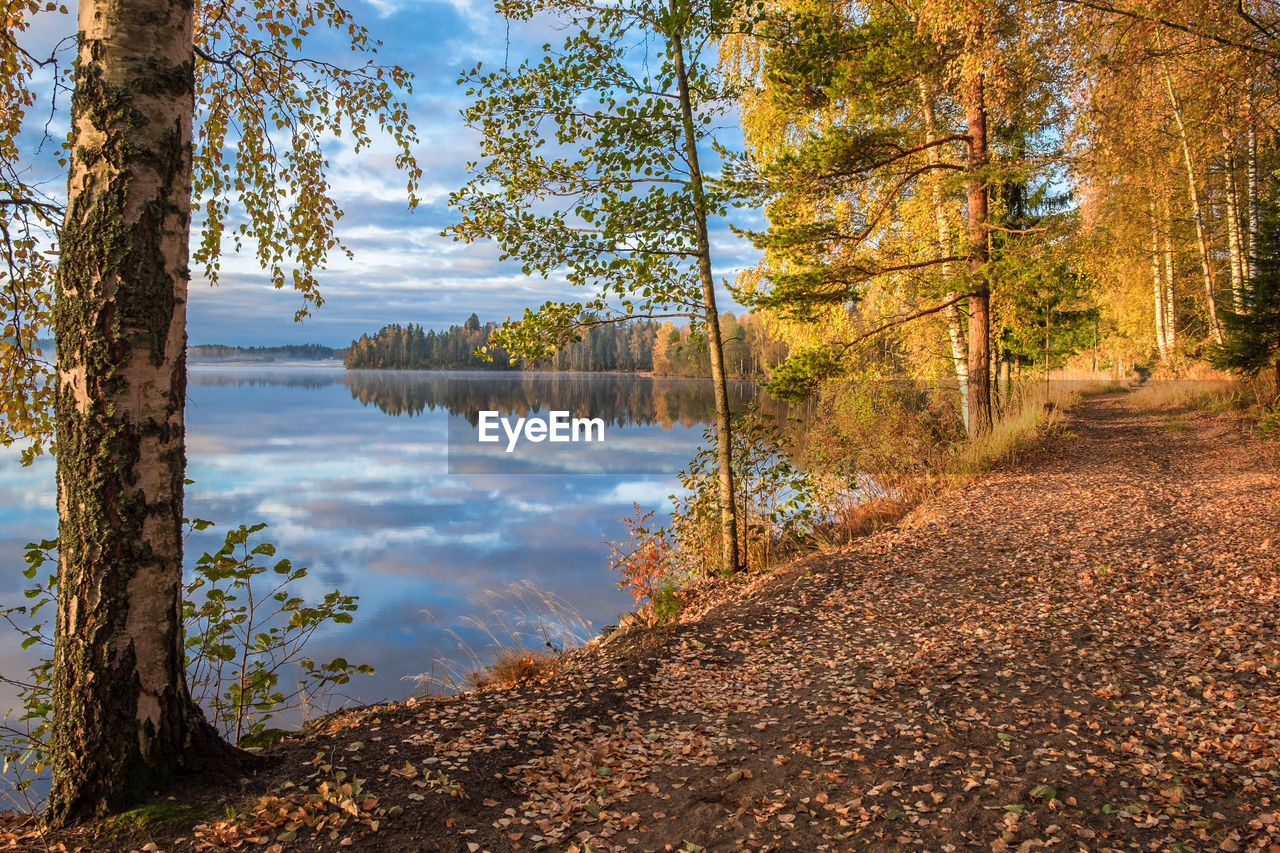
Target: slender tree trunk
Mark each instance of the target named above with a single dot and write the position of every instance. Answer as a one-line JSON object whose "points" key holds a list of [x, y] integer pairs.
{"points": [[1157, 285], [1170, 293], [123, 719], [1251, 245], [959, 355], [995, 358], [955, 331], [979, 369], [1047, 365], [1234, 253], [1197, 215], [731, 553]]}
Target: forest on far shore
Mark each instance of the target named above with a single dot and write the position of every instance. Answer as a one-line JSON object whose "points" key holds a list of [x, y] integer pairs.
{"points": [[215, 353], [636, 346], [639, 346]]}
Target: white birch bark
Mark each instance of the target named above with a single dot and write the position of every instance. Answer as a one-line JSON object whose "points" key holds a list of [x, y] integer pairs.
{"points": [[1157, 286], [955, 331], [1170, 302], [1234, 254], [1197, 215], [1252, 243]]}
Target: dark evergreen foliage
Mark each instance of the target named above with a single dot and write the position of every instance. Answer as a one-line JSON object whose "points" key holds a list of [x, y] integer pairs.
{"points": [[640, 346], [286, 352], [611, 347], [1252, 337]]}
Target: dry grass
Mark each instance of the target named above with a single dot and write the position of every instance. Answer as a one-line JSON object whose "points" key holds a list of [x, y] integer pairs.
{"points": [[1253, 401], [1033, 412], [516, 666], [1110, 386], [1087, 375], [1189, 371], [874, 514], [856, 521], [1212, 394], [518, 634], [1209, 394]]}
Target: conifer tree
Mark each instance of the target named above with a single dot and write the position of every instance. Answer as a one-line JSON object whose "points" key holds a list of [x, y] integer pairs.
{"points": [[884, 184], [1252, 337]]}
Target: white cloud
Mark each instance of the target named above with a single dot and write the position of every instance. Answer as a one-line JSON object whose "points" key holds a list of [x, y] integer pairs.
{"points": [[648, 493]]}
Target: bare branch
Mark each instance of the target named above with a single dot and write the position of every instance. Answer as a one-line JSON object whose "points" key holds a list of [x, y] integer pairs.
{"points": [[1018, 230], [1174, 25], [901, 320], [1254, 22]]}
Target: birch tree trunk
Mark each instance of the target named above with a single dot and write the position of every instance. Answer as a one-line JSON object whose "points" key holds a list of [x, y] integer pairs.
{"points": [[1251, 245], [1170, 293], [730, 548], [1234, 254], [1157, 285], [979, 368], [959, 355], [955, 331], [1197, 215], [123, 719]]}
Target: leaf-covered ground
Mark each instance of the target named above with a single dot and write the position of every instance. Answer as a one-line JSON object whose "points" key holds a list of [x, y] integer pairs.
{"points": [[1076, 653]]}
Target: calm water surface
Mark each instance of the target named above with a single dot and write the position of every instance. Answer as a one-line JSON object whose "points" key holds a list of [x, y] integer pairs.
{"points": [[351, 471]]}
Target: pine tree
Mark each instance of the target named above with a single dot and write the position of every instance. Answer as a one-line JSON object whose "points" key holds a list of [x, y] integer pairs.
{"points": [[1252, 337]]}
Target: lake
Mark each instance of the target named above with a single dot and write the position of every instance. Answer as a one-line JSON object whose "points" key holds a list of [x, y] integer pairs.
{"points": [[376, 481]]}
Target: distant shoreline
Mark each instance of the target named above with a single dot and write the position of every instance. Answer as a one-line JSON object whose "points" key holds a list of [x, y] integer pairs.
{"points": [[317, 355], [337, 364], [224, 354]]}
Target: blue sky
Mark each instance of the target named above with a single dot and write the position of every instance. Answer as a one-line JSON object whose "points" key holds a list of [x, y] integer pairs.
{"points": [[403, 270]]}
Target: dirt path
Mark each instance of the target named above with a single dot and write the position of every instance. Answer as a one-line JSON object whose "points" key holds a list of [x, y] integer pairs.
{"points": [[1078, 653]]}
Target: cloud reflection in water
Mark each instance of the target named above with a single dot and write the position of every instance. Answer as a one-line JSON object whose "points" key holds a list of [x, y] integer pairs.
{"points": [[349, 469]]}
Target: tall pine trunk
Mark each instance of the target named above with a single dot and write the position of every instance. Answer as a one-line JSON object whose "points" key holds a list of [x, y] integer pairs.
{"points": [[731, 552], [979, 375], [123, 719]]}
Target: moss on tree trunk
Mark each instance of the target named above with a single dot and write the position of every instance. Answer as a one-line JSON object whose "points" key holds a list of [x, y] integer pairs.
{"points": [[123, 719]]}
